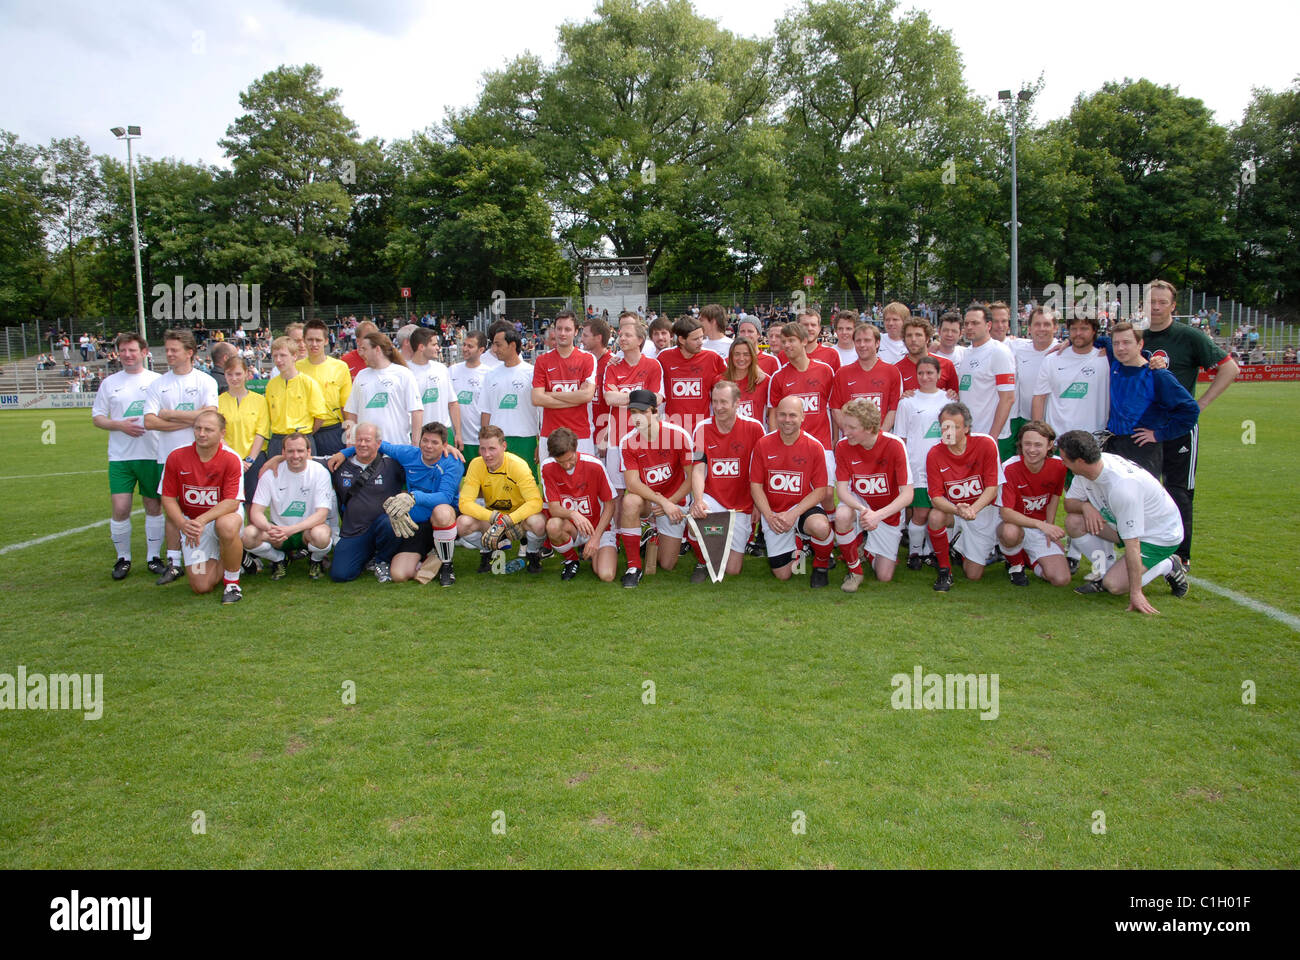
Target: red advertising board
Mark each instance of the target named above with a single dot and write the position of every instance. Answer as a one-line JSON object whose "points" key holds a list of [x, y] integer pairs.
{"points": [[1258, 372]]}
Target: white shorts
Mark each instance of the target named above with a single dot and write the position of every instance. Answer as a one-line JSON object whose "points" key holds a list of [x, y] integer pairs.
{"points": [[780, 543], [978, 536], [614, 468], [883, 541], [830, 471], [585, 445], [1038, 546], [742, 528], [667, 528], [209, 548], [607, 539]]}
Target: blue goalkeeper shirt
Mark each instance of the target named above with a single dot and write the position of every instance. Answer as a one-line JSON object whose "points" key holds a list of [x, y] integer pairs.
{"points": [[431, 486]]}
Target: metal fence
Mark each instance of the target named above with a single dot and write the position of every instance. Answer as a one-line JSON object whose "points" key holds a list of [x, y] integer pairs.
{"points": [[1214, 312]]}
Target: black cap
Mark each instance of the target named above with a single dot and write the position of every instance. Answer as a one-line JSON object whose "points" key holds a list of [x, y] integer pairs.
{"points": [[642, 400]]}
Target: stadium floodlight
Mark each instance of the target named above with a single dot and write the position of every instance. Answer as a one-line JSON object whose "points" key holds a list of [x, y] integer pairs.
{"points": [[1014, 109], [129, 134]]}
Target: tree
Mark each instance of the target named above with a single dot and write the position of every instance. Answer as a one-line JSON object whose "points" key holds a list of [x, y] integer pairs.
{"points": [[73, 194], [1162, 174], [23, 257], [1267, 205], [867, 102], [638, 126], [470, 217], [292, 153]]}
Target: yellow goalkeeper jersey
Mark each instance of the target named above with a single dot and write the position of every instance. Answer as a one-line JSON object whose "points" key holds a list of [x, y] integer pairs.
{"points": [[511, 489]]}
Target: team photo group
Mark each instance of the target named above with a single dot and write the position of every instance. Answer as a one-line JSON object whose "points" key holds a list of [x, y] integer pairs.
{"points": [[816, 443]]}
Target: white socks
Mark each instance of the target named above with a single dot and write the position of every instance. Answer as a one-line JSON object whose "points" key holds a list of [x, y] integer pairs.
{"points": [[1159, 570], [1100, 553], [120, 531], [917, 540], [268, 552], [155, 528]]}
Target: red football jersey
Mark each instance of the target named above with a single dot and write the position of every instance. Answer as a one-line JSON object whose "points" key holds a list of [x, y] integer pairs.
{"points": [[787, 474], [813, 386], [687, 383], [586, 490], [963, 479], [753, 403], [947, 374], [823, 352], [882, 385], [662, 465], [727, 456], [1029, 493], [876, 475], [555, 373], [768, 363], [199, 485], [599, 408], [645, 374]]}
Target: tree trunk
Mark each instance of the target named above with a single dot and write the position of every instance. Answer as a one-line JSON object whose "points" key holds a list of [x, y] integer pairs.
{"points": [[852, 284], [72, 271]]}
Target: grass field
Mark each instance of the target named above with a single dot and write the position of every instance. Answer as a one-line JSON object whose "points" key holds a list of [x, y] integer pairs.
{"points": [[525, 696]]}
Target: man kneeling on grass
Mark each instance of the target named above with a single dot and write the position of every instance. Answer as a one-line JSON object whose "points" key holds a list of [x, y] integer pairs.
{"points": [[1113, 500], [293, 508], [202, 494], [426, 512]]}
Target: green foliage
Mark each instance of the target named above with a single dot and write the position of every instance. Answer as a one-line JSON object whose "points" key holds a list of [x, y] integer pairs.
{"points": [[291, 153], [844, 144]]}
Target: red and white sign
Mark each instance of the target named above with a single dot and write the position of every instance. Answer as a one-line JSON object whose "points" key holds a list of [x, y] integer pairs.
{"points": [[1257, 372], [406, 293], [807, 279]]}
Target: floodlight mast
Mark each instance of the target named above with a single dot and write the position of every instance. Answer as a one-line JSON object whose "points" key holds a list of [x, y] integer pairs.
{"points": [[129, 134]]}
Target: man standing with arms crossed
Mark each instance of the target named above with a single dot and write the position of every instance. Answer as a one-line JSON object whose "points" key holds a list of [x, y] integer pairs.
{"points": [[564, 382], [987, 375], [172, 404], [1187, 351], [689, 373], [132, 454]]}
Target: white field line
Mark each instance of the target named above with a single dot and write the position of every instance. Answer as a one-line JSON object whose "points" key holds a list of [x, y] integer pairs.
{"points": [[1271, 612], [62, 533], [42, 476]]}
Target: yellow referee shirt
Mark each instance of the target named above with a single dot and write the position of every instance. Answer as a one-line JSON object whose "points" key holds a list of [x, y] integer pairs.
{"points": [[511, 489], [246, 419], [335, 381], [295, 404]]}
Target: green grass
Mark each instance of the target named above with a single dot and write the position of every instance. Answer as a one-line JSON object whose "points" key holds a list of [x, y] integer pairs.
{"points": [[524, 696]]}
